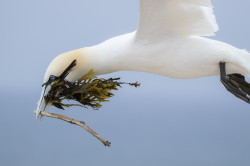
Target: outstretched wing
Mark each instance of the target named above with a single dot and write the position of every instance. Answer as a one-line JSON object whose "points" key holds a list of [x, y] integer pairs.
{"points": [[176, 18]]}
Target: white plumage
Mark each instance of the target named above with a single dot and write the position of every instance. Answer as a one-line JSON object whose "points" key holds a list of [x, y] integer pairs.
{"points": [[176, 17], [167, 42]]}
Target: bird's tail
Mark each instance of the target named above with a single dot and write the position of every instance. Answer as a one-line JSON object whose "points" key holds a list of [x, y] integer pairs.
{"points": [[239, 63]]}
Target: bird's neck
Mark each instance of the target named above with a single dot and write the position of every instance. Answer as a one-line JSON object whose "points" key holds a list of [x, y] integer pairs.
{"points": [[115, 54]]}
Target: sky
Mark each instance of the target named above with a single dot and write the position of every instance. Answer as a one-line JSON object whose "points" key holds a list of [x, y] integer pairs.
{"points": [[164, 122]]}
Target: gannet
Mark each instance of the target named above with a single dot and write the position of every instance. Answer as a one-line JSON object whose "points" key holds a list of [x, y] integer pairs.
{"points": [[170, 40]]}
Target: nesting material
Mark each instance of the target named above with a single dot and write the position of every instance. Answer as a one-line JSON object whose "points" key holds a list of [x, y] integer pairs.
{"points": [[89, 91]]}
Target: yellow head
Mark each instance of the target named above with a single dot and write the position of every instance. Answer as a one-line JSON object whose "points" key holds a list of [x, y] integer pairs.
{"points": [[80, 65], [61, 62]]}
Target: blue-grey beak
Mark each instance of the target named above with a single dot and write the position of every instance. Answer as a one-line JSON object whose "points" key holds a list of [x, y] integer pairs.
{"points": [[43, 105]]}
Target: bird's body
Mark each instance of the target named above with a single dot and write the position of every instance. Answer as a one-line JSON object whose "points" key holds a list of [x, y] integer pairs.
{"points": [[182, 57], [167, 42]]}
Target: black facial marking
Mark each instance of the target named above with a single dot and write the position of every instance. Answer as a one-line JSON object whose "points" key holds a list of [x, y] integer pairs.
{"points": [[52, 78], [64, 74]]}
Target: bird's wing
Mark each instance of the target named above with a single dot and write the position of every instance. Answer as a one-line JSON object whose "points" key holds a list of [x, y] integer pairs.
{"points": [[176, 17]]}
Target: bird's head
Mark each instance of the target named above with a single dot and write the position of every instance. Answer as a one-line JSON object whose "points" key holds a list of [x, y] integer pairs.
{"points": [[69, 66]]}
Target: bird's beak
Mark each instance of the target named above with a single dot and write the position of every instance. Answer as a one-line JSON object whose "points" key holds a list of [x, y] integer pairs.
{"points": [[42, 104]]}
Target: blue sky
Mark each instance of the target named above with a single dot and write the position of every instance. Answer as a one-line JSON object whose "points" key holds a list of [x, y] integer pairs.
{"points": [[164, 122]]}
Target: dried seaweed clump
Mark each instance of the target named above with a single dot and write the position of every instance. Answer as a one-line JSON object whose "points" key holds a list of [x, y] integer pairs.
{"points": [[89, 91]]}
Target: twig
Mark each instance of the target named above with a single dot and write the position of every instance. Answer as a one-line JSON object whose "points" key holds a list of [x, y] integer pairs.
{"points": [[76, 122]]}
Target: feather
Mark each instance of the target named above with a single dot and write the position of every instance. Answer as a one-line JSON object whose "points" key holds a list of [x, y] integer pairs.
{"points": [[176, 18]]}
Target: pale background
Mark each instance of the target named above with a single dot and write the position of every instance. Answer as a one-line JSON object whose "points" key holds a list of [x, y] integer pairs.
{"points": [[165, 122]]}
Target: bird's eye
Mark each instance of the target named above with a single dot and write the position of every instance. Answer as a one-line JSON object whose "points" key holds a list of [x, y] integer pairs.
{"points": [[52, 78]]}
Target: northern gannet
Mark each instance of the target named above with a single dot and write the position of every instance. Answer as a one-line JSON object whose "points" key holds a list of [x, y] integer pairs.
{"points": [[169, 42]]}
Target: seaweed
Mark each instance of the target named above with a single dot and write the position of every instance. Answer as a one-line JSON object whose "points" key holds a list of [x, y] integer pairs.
{"points": [[88, 91]]}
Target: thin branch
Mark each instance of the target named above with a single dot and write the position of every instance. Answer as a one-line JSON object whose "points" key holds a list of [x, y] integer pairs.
{"points": [[76, 122]]}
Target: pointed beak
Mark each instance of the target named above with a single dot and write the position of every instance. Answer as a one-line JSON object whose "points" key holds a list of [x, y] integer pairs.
{"points": [[42, 104]]}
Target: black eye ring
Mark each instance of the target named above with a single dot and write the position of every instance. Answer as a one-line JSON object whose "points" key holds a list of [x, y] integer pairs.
{"points": [[52, 78]]}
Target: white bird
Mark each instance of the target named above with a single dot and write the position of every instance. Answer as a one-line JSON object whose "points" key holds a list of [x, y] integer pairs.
{"points": [[169, 42]]}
